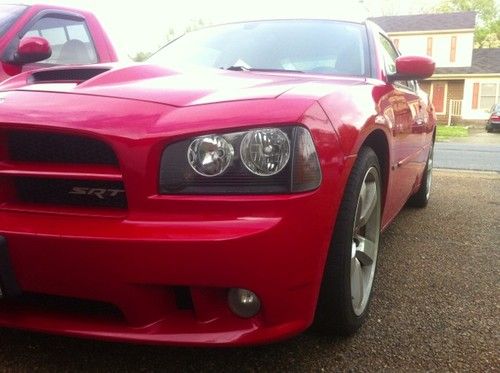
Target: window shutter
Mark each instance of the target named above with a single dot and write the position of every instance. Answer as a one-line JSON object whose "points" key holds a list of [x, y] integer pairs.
{"points": [[453, 51], [475, 96], [429, 46]]}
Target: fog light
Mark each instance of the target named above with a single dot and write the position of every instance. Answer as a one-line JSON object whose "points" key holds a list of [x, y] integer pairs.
{"points": [[243, 303]]}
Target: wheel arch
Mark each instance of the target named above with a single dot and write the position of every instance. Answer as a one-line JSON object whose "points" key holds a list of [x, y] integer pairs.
{"points": [[378, 142]]}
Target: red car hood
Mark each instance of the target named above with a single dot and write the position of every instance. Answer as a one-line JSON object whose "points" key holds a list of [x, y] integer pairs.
{"points": [[157, 84]]}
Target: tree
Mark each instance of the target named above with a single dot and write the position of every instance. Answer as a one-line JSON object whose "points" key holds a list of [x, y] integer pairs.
{"points": [[490, 41], [486, 9], [195, 24], [488, 28], [141, 56], [171, 35]]}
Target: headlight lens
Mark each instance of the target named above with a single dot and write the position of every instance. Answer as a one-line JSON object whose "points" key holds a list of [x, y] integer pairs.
{"points": [[265, 152], [258, 161], [210, 155]]}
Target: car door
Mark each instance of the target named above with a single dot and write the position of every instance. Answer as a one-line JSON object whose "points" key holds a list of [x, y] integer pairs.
{"points": [[405, 110], [68, 36]]}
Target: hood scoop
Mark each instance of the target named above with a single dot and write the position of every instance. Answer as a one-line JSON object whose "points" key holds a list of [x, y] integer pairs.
{"points": [[73, 75]]}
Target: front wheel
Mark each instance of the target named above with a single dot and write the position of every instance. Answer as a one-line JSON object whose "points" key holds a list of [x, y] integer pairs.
{"points": [[350, 269]]}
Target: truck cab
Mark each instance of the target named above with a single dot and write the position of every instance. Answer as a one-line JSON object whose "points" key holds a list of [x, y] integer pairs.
{"points": [[38, 36]]}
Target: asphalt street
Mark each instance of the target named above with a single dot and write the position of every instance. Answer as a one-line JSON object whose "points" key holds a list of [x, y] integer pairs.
{"points": [[436, 306], [466, 156]]}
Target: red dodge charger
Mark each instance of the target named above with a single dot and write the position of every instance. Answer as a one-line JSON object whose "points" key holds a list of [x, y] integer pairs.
{"points": [[231, 191]]}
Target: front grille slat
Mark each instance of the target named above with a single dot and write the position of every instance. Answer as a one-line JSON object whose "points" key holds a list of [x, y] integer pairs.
{"points": [[58, 304], [60, 171], [24, 146], [55, 169]]}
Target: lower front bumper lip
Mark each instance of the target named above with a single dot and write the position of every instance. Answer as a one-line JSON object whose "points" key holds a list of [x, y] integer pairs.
{"points": [[163, 332]]}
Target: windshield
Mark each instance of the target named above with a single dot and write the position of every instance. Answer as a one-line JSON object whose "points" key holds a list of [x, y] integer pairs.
{"points": [[8, 14], [311, 46]]}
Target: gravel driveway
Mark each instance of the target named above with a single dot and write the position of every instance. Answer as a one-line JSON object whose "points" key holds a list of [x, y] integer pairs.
{"points": [[436, 305]]}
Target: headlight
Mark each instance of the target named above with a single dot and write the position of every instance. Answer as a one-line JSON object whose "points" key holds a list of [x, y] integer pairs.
{"points": [[265, 152], [210, 155], [259, 161]]}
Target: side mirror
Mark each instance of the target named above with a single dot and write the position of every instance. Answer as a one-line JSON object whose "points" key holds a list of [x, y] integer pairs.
{"points": [[32, 49], [413, 68]]}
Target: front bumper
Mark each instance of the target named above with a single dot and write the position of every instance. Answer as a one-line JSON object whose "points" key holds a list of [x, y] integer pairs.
{"points": [[493, 125], [116, 275], [137, 265]]}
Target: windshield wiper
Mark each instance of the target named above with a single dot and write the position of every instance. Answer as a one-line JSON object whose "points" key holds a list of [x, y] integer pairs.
{"points": [[243, 68]]}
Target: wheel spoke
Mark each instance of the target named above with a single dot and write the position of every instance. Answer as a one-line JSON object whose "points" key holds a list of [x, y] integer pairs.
{"points": [[368, 202], [359, 210], [366, 251], [357, 285]]}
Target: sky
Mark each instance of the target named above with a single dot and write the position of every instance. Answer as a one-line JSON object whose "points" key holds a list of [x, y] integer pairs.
{"points": [[136, 26]]}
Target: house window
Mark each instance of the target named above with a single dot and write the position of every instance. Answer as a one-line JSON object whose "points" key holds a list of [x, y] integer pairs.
{"points": [[453, 50], [488, 95], [429, 46]]}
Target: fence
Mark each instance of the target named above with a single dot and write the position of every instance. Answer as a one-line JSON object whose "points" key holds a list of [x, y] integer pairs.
{"points": [[454, 109]]}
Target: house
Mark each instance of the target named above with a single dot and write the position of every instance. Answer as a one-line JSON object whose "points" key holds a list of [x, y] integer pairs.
{"points": [[466, 82]]}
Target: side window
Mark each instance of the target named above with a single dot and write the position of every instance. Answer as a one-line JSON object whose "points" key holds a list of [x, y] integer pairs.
{"points": [[69, 39], [390, 55]]}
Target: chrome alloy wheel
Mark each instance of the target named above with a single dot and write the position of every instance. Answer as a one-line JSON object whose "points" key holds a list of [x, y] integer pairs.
{"points": [[365, 240], [430, 165]]}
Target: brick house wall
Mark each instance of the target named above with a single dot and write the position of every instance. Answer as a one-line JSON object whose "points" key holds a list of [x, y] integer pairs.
{"points": [[455, 91], [425, 85]]}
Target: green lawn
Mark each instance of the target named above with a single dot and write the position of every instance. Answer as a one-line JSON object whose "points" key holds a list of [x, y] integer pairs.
{"points": [[444, 132]]}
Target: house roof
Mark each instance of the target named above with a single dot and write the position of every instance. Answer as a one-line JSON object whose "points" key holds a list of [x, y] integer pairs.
{"points": [[427, 22], [484, 61]]}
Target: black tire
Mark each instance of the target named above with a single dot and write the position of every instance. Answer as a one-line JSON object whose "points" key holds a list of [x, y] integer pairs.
{"points": [[335, 312], [420, 198]]}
